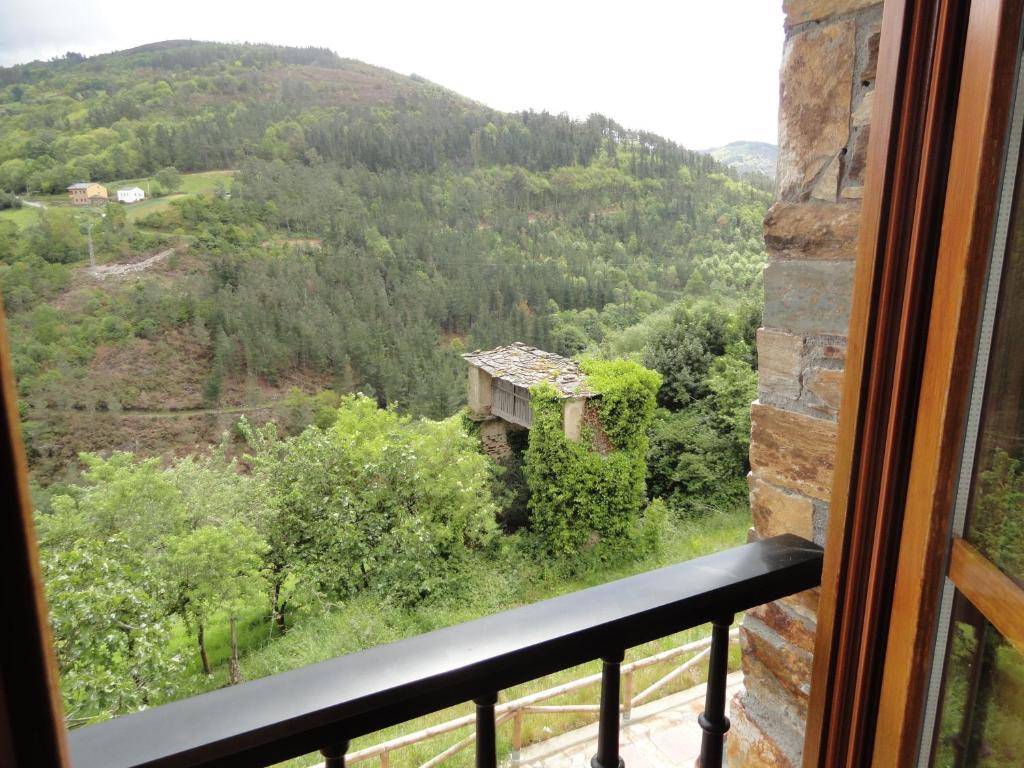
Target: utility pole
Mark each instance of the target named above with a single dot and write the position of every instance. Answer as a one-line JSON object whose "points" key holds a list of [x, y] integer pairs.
{"points": [[92, 256], [90, 223]]}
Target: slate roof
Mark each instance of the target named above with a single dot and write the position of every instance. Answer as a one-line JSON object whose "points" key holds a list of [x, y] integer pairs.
{"points": [[524, 366], [81, 185]]}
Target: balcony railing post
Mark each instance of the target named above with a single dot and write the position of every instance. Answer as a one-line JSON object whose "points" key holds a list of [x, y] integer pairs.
{"points": [[627, 696], [713, 720], [334, 755], [517, 736], [608, 726], [486, 738]]}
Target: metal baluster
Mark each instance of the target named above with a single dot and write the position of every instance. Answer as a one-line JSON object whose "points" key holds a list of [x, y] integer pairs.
{"points": [[486, 739], [608, 726], [713, 720], [334, 755]]}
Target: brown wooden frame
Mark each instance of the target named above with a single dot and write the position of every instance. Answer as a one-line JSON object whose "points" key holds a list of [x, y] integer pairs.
{"points": [[910, 360], [31, 722], [995, 594], [908, 156], [970, 210]]}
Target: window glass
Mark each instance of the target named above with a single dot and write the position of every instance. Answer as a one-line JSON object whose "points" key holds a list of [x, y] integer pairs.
{"points": [[995, 516], [982, 698]]}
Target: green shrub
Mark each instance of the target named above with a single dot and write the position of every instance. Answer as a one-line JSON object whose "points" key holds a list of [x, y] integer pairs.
{"points": [[581, 500]]}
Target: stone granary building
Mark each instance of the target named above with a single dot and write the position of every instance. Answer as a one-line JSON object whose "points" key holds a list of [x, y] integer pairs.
{"points": [[499, 391]]}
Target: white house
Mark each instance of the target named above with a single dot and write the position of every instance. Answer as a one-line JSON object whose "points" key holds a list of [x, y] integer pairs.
{"points": [[130, 195]]}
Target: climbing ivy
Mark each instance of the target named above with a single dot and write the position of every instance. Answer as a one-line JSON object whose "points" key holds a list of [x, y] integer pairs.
{"points": [[581, 500]]}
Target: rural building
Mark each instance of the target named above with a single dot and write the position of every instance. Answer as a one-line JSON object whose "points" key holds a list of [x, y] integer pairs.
{"points": [[130, 195], [499, 391], [85, 192]]}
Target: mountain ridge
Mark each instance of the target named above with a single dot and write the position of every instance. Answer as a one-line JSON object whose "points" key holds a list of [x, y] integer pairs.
{"points": [[747, 157]]}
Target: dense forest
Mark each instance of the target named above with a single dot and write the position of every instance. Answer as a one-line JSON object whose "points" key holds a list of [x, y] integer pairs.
{"points": [[265, 424]]}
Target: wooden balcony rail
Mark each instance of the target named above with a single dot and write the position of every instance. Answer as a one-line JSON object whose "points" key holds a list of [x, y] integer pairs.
{"points": [[511, 403], [324, 706]]}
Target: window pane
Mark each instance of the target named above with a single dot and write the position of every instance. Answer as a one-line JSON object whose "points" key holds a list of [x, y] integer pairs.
{"points": [[982, 696], [995, 517]]}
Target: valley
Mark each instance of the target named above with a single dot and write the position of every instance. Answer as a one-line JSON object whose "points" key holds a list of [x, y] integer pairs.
{"points": [[247, 422]]}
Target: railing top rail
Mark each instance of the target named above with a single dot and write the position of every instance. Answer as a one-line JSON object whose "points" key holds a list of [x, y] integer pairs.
{"points": [[288, 714]]}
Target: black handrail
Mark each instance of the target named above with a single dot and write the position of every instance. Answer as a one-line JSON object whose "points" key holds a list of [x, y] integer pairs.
{"points": [[323, 706]]}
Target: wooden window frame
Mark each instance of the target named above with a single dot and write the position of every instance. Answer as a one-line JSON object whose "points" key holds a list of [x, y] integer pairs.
{"points": [[31, 720], [929, 210]]}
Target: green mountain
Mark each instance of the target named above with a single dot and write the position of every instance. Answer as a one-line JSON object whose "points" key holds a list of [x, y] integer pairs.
{"points": [[748, 157], [365, 228]]}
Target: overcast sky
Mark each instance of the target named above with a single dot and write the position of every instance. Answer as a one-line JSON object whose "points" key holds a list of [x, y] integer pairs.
{"points": [[701, 73]]}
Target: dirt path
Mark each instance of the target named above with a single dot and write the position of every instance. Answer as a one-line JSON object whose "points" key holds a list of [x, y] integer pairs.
{"points": [[120, 270]]}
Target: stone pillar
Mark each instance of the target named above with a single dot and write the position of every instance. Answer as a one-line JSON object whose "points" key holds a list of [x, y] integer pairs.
{"points": [[479, 391], [828, 79], [494, 438], [572, 417]]}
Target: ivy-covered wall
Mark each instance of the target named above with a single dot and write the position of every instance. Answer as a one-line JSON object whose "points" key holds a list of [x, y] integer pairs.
{"points": [[583, 498]]}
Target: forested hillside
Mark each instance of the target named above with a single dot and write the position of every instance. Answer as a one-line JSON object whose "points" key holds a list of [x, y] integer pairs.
{"points": [[377, 225]]}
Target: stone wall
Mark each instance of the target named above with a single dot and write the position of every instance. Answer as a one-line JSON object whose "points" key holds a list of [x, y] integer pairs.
{"points": [[827, 89]]}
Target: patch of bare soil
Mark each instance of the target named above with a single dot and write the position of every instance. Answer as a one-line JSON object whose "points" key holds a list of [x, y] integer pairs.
{"points": [[166, 373]]}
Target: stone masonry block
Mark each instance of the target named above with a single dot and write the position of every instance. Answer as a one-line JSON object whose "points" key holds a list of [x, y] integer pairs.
{"points": [[747, 745], [814, 110], [775, 511], [862, 115], [870, 68], [773, 708], [792, 450], [804, 603], [801, 11], [812, 231], [786, 661], [779, 362], [808, 296], [826, 384], [791, 625], [856, 160]]}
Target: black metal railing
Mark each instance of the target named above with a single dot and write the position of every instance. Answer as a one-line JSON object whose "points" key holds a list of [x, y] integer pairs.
{"points": [[324, 706]]}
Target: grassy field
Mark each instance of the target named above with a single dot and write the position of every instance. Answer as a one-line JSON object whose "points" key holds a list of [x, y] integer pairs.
{"points": [[204, 183], [365, 621], [21, 216], [142, 209]]}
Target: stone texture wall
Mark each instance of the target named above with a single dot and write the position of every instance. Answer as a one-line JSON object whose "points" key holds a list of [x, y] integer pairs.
{"points": [[827, 88]]}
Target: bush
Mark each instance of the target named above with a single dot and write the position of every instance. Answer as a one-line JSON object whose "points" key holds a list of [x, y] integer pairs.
{"points": [[581, 500], [376, 501]]}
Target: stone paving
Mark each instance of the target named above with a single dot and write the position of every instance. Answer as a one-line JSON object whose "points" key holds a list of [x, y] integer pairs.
{"points": [[662, 734]]}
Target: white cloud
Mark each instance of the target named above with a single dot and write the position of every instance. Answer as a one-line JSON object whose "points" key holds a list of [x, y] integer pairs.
{"points": [[700, 73]]}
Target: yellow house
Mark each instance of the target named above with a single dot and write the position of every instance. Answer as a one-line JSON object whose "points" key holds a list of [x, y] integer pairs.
{"points": [[85, 192]]}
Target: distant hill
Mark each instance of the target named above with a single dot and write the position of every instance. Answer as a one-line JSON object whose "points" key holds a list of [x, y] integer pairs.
{"points": [[748, 157]]}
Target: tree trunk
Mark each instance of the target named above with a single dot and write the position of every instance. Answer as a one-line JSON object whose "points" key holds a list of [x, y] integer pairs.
{"points": [[278, 608], [201, 636], [234, 671]]}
